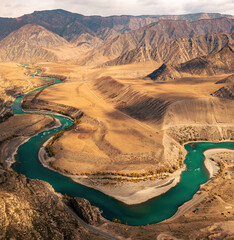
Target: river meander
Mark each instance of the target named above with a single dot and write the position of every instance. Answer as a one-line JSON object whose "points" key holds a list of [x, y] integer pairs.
{"points": [[152, 211]]}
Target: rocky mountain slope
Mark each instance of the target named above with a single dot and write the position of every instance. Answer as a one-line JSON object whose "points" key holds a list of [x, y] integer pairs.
{"points": [[30, 43], [86, 41], [225, 92], [156, 34], [68, 25], [176, 51], [221, 62], [95, 40], [30, 209]]}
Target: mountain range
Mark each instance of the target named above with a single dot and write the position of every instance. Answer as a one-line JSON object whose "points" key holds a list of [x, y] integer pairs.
{"points": [[58, 35], [69, 25]]}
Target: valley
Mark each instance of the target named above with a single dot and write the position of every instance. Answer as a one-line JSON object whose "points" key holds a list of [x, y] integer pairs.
{"points": [[121, 111], [103, 149]]}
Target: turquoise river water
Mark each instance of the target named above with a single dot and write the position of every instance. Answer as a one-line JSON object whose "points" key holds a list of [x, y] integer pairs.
{"points": [[152, 211]]}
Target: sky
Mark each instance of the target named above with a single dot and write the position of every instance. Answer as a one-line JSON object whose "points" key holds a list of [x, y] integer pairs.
{"points": [[16, 8]]}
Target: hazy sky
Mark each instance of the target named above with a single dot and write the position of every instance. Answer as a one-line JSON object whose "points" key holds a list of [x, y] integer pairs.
{"points": [[16, 8]]}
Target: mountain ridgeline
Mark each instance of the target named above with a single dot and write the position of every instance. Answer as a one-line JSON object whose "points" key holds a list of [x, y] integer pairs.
{"points": [[175, 51], [70, 25], [30, 43], [154, 35], [58, 35]]}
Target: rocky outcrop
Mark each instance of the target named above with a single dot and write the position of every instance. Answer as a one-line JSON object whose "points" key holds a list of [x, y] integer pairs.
{"points": [[90, 214], [164, 73], [30, 209], [225, 92], [221, 62]]}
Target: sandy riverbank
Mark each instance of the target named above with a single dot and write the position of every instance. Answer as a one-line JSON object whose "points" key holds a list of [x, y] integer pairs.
{"points": [[135, 193], [212, 166], [128, 192]]}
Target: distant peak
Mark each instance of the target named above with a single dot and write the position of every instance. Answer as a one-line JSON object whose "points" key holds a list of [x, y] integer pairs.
{"points": [[56, 11], [33, 27]]}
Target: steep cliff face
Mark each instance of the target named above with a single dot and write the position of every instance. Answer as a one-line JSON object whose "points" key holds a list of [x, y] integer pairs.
{"points": [[86, 211]]}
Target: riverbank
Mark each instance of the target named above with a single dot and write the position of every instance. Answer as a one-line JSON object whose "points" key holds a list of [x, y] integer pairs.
{"points": [[135, 193], [211, 165], [127, 192], [10, 148], [213, 169]]}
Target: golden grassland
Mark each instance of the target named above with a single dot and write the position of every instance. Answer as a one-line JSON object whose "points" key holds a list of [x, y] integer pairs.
{"points": [[108, 139]]}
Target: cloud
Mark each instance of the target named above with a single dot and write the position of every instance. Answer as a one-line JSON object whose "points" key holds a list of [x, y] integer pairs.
{"points": [[15, 8], [225, 6]]}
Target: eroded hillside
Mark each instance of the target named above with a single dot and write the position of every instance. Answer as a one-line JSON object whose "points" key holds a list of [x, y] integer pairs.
{"points": [[175, 51], [210, 65]]}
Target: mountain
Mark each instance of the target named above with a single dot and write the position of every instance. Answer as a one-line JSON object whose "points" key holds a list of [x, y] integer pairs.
{"points": [[30, 43], [175, 51], [190, 17], [221, 62], [94, 40], [225, 92], [86, 41], [69, 25], [164, 73], [153, 35]]}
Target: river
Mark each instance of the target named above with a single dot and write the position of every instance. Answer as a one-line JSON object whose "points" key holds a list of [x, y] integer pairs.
{"points": [[152, 211]]}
